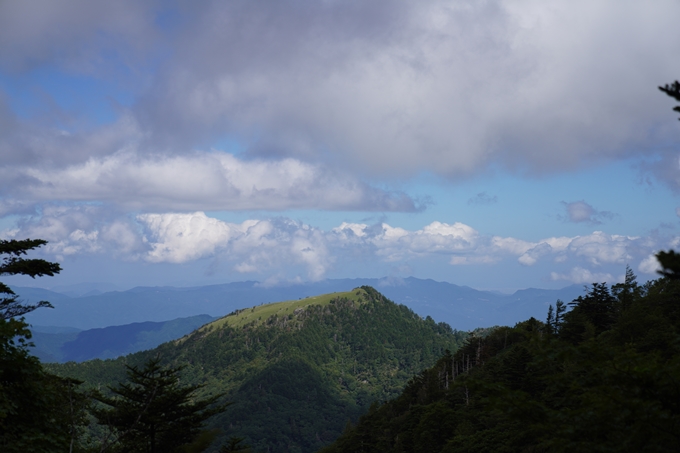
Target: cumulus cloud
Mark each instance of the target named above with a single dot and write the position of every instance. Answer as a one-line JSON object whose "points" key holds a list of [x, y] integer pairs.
{"points": [[649, 265], [600, 247], [582, 212], [254, 245], [395, 244], [263, 243], [204, 180], [468, 246], [581, 275], [70, 231], [531, 256], [177, 238], [281, 248]]}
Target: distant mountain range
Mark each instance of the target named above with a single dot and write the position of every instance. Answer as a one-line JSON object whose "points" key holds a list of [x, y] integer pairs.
{"points": [[462, 307], [64, 344]]}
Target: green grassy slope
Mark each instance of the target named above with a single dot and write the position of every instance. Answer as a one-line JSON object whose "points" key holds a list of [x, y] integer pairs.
{"points": [[259, 314], [297, 371]]}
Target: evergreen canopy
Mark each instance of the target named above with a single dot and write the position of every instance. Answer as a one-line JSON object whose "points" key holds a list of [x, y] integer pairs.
{"points": [[152, 412]]}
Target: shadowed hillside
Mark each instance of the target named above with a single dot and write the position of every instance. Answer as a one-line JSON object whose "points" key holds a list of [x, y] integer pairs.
{"points": [[297, 371]]}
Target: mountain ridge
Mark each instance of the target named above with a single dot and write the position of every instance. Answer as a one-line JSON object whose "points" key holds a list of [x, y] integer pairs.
{"points": [[296, 370], [463, 307], [65, 344]]}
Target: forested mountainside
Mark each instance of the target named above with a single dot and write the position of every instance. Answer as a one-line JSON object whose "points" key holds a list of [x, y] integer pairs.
{"points": [[602, 374], [296, 371], [62, 345]]}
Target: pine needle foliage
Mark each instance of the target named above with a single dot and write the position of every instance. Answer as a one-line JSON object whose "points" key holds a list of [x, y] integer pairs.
{"points": [[152, 412]]}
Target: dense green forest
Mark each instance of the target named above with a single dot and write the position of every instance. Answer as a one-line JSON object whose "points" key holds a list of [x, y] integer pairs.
{"points": [[296, 372], [601, 374]]}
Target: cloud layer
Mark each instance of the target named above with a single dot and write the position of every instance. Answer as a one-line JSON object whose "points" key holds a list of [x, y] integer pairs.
{"points": [[281, 247], [378, 89], [208, 181]]}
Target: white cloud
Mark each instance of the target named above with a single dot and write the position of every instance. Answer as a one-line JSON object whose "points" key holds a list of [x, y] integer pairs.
{"points": [[254, 245], [209, 181], [70, 231], [511, 245], [597, 248], [649, 265], [125, 237], [177, 238], [283, 249], [581, 275], [600, 247], [58, 222], [347, 230], [530, 257], [394, 243], [78, 242]]}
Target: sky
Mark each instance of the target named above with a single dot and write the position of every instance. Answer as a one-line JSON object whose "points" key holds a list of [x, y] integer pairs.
{"points": [[498, 144]]}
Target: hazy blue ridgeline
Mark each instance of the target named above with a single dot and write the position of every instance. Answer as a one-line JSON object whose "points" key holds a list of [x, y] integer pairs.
{"points": [[461, 307]]}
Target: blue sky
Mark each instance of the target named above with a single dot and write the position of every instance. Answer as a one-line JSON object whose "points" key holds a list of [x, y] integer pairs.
{"points": [[497, 144]]}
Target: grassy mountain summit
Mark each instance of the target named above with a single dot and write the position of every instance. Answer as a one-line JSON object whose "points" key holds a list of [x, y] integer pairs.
{"points": [[259, 315], [297, 371]]}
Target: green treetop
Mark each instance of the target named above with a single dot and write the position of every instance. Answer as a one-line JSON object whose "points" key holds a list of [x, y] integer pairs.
{"points": [[154, 413]]}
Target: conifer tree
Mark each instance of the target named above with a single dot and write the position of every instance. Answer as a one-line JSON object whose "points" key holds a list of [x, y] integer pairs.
{"points": [[153, 413], [39, 412], [550, 321], [560, 309], [672, 90], [13, 263]]}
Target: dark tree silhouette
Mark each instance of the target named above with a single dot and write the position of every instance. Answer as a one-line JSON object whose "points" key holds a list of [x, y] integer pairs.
{"points": [[153, 413], [670, 264], [672, 90], [13, 263], [39, 412]]}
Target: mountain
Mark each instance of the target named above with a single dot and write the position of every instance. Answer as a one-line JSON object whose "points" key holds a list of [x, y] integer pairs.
{"points": [[601, 377], [61, 344], [296, 371], [462, 307], [85, 289]]}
